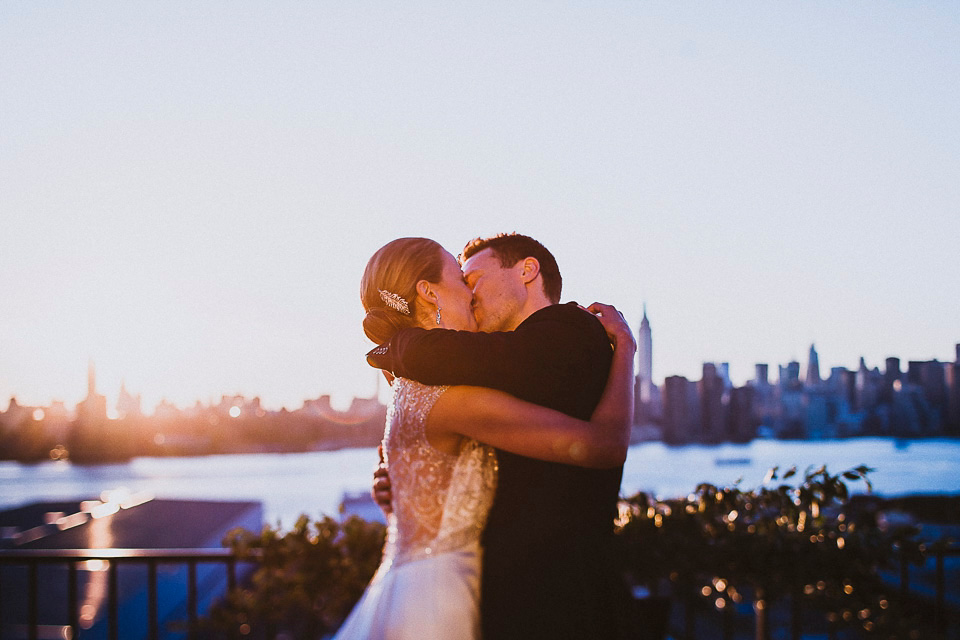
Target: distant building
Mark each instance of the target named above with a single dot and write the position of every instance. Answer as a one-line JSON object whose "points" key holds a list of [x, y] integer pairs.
{"points": [[764, 402], [166, 410], [829, 415], [646, 393], [360, 410], [929, 376], [843, 382], [790, 375], [891, 379], [128, 405], [645, 358], [928, 379], [813, 368], [680, 410], [792, 416], [867, 386], [711, 390], [723, 370], [953, 395], [761, 375], [56, 422], [237, 406], [741, 421], [16, 414], [93, 408]]}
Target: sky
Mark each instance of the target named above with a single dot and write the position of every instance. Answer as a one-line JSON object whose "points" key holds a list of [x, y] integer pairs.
{"points": [[189, 191]]}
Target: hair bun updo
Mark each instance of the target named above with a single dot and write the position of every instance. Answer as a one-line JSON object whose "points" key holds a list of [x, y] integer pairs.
{"points": [[394, 270], [381, 323]]}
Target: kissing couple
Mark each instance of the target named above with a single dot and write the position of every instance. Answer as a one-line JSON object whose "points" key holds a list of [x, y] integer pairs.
{"points": [[505, 439]]}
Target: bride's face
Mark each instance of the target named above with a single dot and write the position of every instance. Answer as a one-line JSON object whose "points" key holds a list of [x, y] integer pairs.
{"points": [[455, 297]]}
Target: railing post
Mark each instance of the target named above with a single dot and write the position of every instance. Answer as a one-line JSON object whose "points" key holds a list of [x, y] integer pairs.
{"points": [[762, 618], [113, 601], [231, 573], [727, 618], [940, 610], [795, 614], [904, 575], [192, 597], [831, 630], [152, 622], [33, 611], [73, 610]]}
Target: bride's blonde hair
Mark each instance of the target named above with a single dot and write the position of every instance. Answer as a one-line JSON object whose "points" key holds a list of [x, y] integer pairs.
{"points": [[395, 269]]}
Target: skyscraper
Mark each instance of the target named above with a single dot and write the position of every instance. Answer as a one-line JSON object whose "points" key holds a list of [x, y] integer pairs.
{"points": [[866, 393], [93, 408], [891, 379], [789, 375], [680, 410], [645, 359], [128, 405], [710, 391], [91, 379], [761, 377], [813, 368]]}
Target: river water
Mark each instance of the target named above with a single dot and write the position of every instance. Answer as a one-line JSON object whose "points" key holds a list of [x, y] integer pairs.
{"points": [[289, 484]]}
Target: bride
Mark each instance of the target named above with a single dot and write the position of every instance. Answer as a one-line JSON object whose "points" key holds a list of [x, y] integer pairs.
{"points": [[438, 444]]}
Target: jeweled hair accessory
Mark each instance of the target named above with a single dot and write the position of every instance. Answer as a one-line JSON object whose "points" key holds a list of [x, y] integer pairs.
{"points": [[394, 301]]}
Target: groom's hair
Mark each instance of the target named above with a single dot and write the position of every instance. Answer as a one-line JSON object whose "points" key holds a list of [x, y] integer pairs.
{"points": [[511, 248]]}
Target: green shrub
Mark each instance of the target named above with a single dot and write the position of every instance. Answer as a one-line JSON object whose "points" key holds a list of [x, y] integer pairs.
{"points": [[722, 545], [306, 581]]}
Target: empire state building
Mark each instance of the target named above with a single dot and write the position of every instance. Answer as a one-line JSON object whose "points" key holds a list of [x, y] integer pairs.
{"points": [[645, 360]]}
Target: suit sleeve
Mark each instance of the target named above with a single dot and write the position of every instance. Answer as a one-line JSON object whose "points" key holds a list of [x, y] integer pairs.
{"points": [[497, 360]]}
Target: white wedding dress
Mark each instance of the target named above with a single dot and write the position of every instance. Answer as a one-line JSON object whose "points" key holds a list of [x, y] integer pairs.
{"points": [[428, 584]]}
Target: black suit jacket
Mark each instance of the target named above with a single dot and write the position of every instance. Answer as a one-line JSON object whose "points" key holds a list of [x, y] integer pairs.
{"points": [[548, 567]]}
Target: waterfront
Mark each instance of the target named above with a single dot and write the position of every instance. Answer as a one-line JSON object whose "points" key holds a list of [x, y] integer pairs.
{"points": [[314, 483]]}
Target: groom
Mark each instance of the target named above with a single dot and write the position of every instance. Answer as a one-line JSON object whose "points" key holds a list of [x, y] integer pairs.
{"points": [[548, 565]]}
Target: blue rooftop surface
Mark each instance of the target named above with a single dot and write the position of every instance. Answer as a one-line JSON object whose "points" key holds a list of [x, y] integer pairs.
{"points": [[138, 523]]}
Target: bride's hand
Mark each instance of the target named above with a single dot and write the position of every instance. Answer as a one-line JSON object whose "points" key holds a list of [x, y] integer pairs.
{"points": [[382, 490], [616, 326]]}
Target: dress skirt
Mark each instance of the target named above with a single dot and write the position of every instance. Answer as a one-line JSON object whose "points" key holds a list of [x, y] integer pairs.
{"points": [[429, 598]]}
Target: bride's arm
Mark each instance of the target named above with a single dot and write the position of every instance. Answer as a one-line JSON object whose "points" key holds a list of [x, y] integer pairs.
{"points": [[501, 420]]}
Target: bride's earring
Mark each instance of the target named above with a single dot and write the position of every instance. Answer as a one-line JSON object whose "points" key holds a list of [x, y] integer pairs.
{"points": [[438, 314]]}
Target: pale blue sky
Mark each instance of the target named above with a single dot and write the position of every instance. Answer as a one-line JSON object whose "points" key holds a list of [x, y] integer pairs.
{"points": [[189, 190]]}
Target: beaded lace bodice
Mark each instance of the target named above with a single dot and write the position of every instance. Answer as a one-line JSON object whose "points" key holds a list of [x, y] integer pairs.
{"points": [[440, 500]]}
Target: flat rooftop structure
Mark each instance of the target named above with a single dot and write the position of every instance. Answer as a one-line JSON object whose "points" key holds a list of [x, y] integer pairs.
{"points": [[127, 522]]}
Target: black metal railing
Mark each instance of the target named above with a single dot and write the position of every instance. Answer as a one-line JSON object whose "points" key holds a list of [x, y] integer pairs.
{"points": [[29, 626], [944, 615]]}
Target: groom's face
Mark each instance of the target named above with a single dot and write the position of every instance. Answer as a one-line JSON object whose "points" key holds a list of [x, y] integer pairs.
{"points": [[498, 292]]}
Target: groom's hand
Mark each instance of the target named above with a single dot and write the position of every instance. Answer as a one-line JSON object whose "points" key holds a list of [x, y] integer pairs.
{"points": [[382, 493]]}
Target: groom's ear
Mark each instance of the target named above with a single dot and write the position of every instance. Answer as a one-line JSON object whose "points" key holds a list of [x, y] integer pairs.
{"points": [[530, 269]]}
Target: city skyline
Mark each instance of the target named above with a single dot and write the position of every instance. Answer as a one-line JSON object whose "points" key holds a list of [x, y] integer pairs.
{"points": [[191, 191], [908, 400], [808, 370]]}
